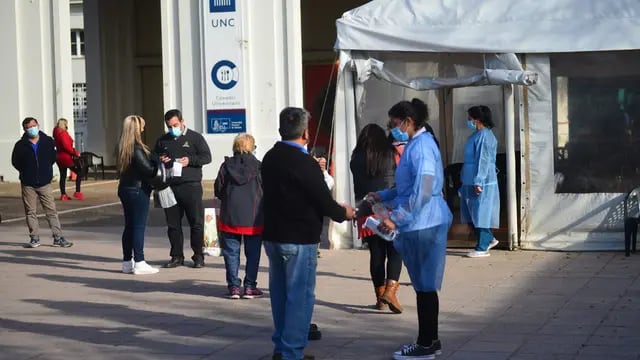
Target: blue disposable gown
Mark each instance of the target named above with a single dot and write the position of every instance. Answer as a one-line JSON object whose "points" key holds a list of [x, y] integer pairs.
{"points": [[420, 213], [479, 169], [417, 201]]}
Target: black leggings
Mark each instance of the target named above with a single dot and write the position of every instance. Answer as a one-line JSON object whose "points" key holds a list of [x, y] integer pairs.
{"points": [[381, 251], [428, 310], [63, 179]]}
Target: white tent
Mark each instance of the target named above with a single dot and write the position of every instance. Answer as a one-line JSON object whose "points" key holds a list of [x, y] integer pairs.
{"points": [[394, 49]]}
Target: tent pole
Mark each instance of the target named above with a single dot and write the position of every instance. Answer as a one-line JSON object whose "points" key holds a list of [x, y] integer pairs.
{"points": [[512, 206]]}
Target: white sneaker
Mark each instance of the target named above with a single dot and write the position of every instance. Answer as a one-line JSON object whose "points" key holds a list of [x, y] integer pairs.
{"points": [[477, 254], [127, 267], [493, 244], [142, 268]]}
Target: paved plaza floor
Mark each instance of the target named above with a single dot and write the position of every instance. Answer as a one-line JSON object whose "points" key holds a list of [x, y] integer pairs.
{"points": [[75, 304]]}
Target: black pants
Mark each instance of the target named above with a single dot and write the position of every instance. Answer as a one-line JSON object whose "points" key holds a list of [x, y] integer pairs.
{"points": [[63, 179], [428, 306], [382, 252], [189, 199]]}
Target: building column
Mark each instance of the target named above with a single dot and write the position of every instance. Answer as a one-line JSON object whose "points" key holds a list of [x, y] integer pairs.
{"points": [[35, 69]]}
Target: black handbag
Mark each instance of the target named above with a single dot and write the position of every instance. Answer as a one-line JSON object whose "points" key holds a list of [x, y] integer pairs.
{"points": [[78, 162]]}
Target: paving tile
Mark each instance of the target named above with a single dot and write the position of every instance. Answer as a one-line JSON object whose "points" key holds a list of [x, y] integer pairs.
{"points": [[74, 303]]}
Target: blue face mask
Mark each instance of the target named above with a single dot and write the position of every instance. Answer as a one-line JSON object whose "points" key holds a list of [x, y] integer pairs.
{"points": [[399, 135], [471, 125], [175, 131], [33, 131]]}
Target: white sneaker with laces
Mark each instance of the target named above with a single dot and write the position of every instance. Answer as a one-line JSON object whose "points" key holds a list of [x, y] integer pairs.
{"points": [[142, 268], [127, 267], [493, 244], [477, 254]]}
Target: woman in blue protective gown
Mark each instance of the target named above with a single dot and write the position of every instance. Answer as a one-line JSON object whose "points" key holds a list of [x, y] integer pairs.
{"points": [[421, 217], [480, 197]]}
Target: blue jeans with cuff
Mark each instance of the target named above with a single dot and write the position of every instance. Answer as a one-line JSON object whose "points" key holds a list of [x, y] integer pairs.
{"points": [[231, 253]]}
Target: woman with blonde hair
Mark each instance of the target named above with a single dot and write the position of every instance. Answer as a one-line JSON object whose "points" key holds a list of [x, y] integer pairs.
{"points": [[65, 156], [239, 188], [134, 190]]}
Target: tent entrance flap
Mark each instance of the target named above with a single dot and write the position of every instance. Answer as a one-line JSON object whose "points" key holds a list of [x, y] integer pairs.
{"points": [[441, 70]]}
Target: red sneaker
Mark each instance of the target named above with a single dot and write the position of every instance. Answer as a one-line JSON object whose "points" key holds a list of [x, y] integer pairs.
{"points": [[78, 195], [64, 198]]}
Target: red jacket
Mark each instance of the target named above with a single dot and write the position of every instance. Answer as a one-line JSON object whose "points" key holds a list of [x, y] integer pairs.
{"points": [[64, 147]]}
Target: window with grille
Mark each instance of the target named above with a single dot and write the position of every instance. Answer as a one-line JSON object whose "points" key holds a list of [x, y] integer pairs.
{"points": [[77, 42], [80, 103]]}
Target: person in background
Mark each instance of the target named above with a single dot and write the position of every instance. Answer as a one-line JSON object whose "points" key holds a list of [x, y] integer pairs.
{"points": [[134, 190], [421, 217], [373, 165], [239, 188], [314, 331], [33, 156], [480, 196], [295, 200], [328, 179], [65, 159], [188, 150]]}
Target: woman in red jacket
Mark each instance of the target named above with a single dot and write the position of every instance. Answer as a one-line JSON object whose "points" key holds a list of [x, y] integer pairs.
{"points": [[65, 157]]}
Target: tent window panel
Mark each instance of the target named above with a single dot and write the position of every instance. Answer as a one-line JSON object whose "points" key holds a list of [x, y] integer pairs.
{"points": [[596, 130]]}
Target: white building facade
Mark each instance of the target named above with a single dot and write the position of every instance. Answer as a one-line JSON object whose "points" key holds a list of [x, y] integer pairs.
{"points": [[147, 56]]}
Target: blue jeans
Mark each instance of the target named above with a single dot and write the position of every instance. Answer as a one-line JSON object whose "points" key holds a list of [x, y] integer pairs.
{"points": [[292, 282], [484, 237], [231, 254], [135, 203]]}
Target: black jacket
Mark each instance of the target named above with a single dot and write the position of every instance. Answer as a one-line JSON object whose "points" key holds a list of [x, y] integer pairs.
{"points": [[296, 198], [35, 170], [239, 188], [192, 145], [363, 183], [141, 171]]}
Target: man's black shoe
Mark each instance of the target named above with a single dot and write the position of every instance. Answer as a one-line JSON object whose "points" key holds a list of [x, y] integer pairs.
{"points": [[314, 332], [198, 261], [175, 262]]}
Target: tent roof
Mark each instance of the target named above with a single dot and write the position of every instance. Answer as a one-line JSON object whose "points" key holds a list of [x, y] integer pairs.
{"points": [[491, 26]]}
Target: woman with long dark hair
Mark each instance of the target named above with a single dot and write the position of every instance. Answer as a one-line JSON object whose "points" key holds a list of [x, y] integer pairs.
{"points": [[480, 196], [421, 217], [373, 166]]}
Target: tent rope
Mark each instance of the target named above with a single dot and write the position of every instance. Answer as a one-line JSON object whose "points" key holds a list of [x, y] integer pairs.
{"points": [[324, 105]]}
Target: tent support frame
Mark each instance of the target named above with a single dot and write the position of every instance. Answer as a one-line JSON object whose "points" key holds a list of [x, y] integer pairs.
{"points": [[512, 205]]}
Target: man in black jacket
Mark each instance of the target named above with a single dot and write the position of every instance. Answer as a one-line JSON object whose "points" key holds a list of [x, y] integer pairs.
{"points": [[296, 199], [33, 156], [186, 152]]}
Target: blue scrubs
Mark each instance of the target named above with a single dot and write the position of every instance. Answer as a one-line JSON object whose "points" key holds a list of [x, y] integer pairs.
{"points": [[420, 212]]}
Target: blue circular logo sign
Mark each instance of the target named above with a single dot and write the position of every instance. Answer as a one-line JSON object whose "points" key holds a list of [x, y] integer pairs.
{"points": [[224, 74]]}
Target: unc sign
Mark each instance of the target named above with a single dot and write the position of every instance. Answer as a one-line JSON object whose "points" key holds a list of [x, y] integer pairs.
{"points": [[230, 22]]}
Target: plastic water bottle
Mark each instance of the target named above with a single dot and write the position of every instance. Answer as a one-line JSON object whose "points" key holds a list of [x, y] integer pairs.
{"points": [[381, 211]]}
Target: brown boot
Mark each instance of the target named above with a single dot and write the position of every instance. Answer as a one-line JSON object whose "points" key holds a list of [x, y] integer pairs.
{"points": [[379, 304], [389, 296]]}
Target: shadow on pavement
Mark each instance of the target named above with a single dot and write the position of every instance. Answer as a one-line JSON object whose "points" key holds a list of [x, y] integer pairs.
{"points": [[188, 287]]}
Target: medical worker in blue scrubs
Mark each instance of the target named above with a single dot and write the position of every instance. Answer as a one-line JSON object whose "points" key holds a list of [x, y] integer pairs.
{"points": [[420, 215], [480, 197]]}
